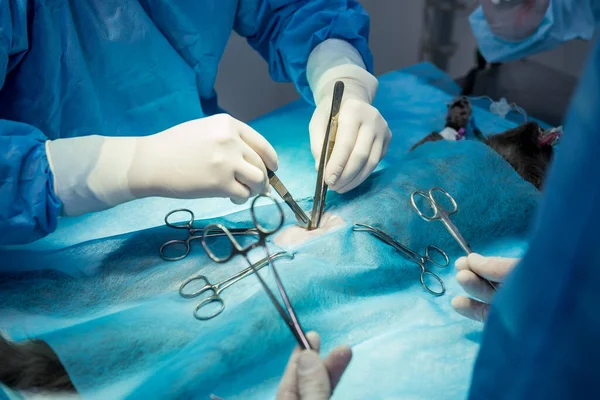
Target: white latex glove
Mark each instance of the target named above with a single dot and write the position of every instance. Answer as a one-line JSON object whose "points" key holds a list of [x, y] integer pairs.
{"points": [[494, 269], [308, 377], [217, 156], [363, 135]]}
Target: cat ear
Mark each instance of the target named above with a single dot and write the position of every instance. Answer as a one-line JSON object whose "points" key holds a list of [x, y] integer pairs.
{"points": [[530, 134]]}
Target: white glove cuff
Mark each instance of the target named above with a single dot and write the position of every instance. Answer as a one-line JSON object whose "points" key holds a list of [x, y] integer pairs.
{"points": [[335, 60], [90, 172], [329, 54], [359, 83]]}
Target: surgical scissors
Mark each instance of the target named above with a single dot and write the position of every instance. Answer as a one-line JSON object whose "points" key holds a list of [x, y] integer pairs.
{"points": [[328, 143], [412, 256], [439, 213], [217, 288], [193, 234], [236, 249], [285, 194]]}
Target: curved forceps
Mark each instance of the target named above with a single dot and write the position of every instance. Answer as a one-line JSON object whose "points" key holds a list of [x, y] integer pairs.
{"points": [[412, 256], [439, 213], [217, 288], [236, 249], [193, 234]]}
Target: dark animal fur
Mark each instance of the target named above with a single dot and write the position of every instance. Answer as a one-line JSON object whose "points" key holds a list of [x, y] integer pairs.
{"points": [[520, 146], [459, 113], [32, 365], [522, 149]]}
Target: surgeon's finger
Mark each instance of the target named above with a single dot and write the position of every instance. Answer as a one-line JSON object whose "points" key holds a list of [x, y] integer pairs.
{"points": [[386, 141], [254, 159], [475, 286], [494, 269], [288, 388], [313, 377], [358, 158], [238, 193], [260, 145], [372, 162], [336, 363], [470, 308], [461, 263], [345, 143], [252, 177]]}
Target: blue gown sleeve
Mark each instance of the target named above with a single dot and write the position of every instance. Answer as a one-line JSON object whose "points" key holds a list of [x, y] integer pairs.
{"points": [[542, 337], [29, 208], [285, 32]]}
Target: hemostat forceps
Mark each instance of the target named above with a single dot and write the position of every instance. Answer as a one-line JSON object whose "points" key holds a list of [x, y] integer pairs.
{"points": [[217, 288], [264, 227], [439, 213], [193, 234], [413, 256], [328, 143]]}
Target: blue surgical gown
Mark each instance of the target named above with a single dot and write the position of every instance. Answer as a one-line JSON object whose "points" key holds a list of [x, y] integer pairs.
{"points": [[542, 337], [131, 68]]}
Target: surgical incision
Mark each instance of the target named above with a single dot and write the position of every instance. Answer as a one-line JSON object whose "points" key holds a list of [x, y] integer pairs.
{"points": [[296, 235]]}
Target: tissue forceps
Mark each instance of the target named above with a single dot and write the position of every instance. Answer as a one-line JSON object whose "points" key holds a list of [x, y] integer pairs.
{"points": [[328, 143], [282, 191], [263, 231], [412, 256], [217, 288], [193, 234], [439, 213]]}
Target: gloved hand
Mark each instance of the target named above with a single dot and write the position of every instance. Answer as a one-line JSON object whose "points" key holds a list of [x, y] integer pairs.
{"points": [[307, 377], [494, 269], [363, 135], [216, 156]]}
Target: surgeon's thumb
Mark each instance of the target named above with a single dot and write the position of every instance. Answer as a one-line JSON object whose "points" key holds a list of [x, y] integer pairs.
{"points": [[313, 378]]}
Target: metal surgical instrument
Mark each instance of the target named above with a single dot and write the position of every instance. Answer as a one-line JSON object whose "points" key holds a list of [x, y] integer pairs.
{"points": [[193, 234], [282, 191], [217, 288], [264, 230], [439, 213], [328, 143], [412, 256]]}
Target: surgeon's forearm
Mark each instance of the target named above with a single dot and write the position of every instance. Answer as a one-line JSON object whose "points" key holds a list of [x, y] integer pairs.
{"points": [[91, 172]]}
